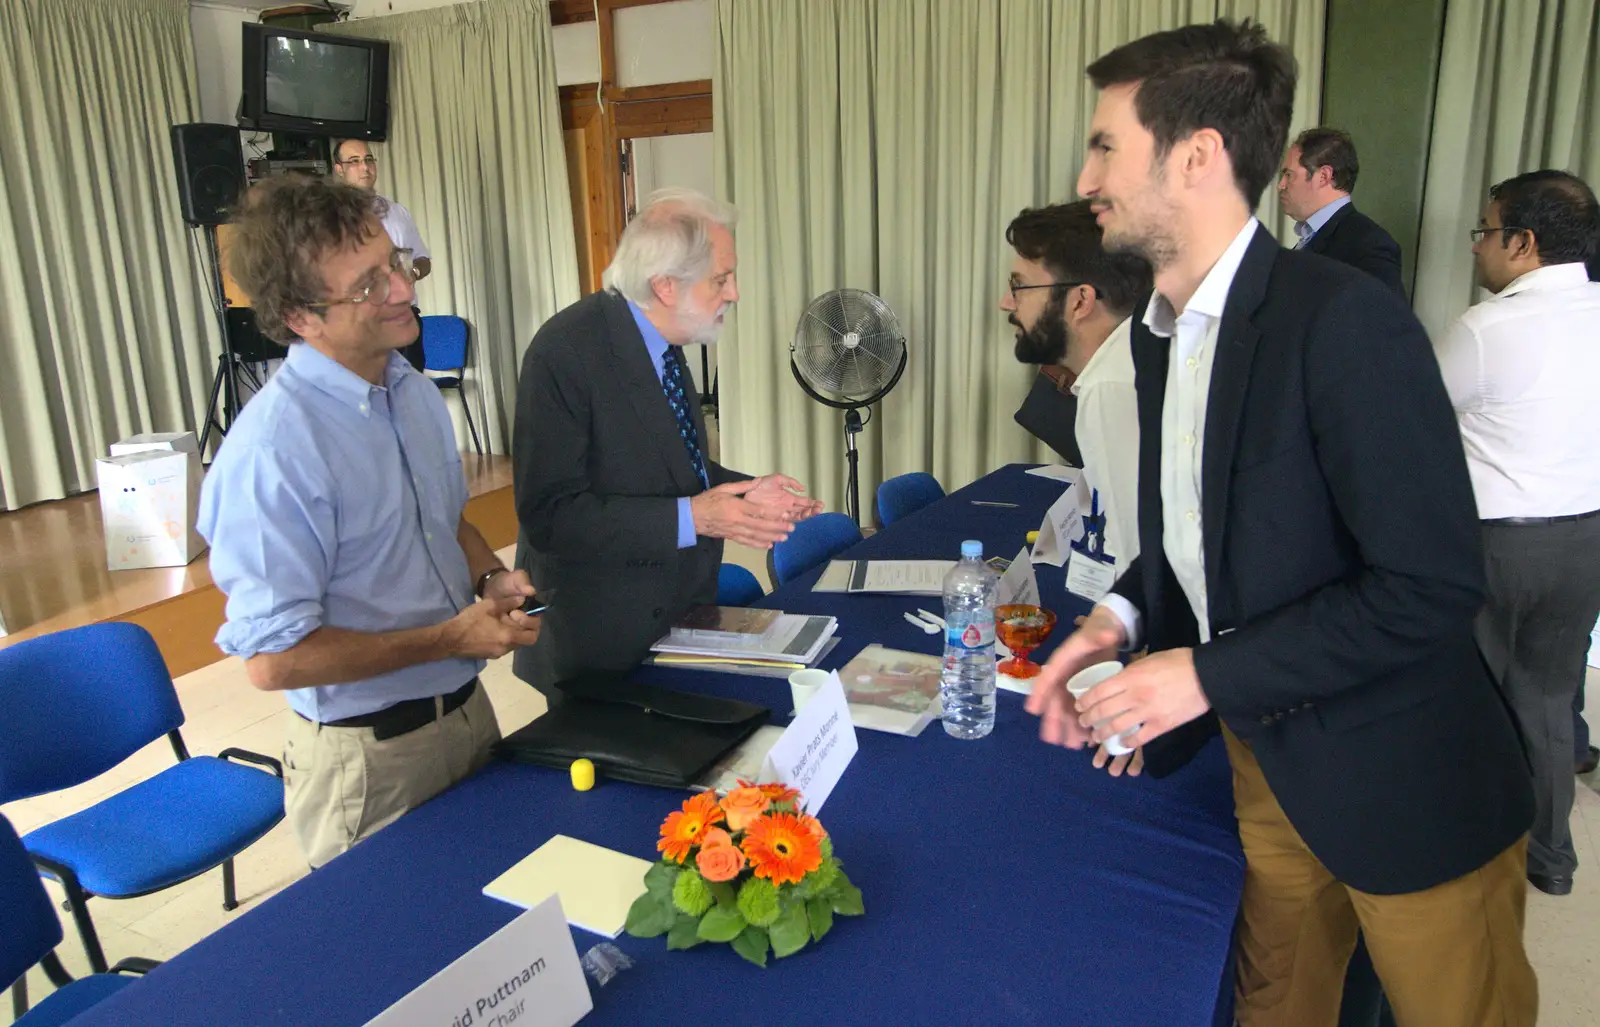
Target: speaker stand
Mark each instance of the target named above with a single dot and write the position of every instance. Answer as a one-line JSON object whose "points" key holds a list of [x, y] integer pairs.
{"points": [[225, 384]]}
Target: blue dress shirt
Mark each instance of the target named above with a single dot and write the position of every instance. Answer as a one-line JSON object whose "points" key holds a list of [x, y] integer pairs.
{"points": [[1313, 224], [334, 502], [657, 344]]}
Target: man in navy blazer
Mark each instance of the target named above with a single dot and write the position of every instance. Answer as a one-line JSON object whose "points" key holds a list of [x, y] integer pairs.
{"points": [[1314, 186]]}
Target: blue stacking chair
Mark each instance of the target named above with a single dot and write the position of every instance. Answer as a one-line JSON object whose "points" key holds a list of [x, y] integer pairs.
{"points": [[77, 703], [905, 494], [813, 542], [736, 586], [445, 343], [31, 935]]}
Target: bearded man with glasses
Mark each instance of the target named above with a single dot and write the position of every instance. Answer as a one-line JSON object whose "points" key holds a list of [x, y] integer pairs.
{"points": [[334, 510]]}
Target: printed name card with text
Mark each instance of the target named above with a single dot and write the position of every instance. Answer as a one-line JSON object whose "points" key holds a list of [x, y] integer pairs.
{"points": [[815, 748]]}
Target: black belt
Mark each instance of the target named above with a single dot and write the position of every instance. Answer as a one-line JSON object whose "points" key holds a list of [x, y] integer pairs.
{"points": [[406, 716], [1543, 520]]}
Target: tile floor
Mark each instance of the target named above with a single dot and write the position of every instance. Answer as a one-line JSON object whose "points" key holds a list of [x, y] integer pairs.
{"points": [[222, 710]]}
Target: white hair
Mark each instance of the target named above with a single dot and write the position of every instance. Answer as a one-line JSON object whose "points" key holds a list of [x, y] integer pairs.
{"points": [[670, 237]]}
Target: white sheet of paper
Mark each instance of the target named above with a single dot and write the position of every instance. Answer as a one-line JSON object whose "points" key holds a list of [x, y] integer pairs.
{"points": [[1063, 525], [901, 577], [527, 972], [1090, 578], [836, 578], [1019, 584], [815, 748], [1056, 472]]}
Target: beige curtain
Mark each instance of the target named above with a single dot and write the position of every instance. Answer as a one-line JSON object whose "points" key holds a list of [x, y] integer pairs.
{"points": [[105, 325], [475, 152], [1519, 89], [886, 146]]}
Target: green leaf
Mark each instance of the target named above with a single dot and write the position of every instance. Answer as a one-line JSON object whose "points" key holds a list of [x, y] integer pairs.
{"points": [[752, 945], [791, 932], [685, 934], [660, 878], [724, 892], [649, 916], [846, 897], [721, 923], [820, 913]]}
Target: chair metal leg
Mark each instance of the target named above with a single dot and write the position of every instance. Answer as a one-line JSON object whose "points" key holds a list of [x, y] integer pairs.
{"points": [[78, 903], [466, 408], [230, 901], [19, 997]]}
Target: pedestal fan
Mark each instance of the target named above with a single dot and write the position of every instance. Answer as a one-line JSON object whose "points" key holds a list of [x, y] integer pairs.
{"points": [[848, 353]]}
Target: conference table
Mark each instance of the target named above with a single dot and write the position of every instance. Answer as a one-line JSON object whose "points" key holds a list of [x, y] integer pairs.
{"points": [[1005, 881]]}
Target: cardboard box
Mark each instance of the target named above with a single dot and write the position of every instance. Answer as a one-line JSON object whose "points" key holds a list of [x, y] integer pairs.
{"points": [[149, 499]]}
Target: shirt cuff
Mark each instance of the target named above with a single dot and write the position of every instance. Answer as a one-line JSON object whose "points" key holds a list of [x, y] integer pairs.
{"points": [[1128, 614], [686, 535]]}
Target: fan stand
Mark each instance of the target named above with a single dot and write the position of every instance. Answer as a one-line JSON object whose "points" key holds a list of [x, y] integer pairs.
{"points": [[852, 485]]}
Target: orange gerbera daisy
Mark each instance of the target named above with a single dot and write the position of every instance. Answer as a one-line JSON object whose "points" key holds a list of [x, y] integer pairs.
{"points": [[813, 825], [775, 792], [781, 848], [682, 829]]}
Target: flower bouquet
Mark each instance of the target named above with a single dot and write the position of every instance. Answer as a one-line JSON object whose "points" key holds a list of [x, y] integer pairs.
{"points": [[749, 869]]}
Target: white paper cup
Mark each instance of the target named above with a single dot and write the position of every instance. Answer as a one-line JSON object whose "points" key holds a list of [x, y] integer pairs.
{"points": [[803, 684], [1089, 677]]}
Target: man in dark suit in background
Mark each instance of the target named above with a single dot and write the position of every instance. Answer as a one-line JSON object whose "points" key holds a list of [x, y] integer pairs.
{"points": [[1318, 175], [623, 513], [1309, 568]]}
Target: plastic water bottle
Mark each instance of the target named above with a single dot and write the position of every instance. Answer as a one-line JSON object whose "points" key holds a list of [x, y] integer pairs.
{"points": [[966, 687]]}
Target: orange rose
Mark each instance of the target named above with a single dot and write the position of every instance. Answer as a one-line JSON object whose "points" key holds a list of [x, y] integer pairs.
{"points": [[720, 862], [715, 838], [743, 805]]}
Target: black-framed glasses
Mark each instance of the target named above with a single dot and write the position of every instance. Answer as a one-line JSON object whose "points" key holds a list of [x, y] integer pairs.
{"points": [[351, 162], [400, 263], [1477, 234], [1015, 286]]}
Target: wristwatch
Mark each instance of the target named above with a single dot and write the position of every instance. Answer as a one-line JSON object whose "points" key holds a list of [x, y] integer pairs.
{"points": [[483, 579]]}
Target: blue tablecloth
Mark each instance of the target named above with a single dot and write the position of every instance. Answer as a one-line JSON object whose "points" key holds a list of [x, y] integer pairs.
{"points": [[1005, 881]]}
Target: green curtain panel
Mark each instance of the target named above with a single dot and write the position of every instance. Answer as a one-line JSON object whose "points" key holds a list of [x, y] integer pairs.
{"points": [[885, 147], [1519, 89], [475, 152], [106, 327]]}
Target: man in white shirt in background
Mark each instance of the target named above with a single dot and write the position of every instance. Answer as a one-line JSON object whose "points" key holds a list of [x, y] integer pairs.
{"points": [[1522, 369], [353, 161], [1069, 301]]}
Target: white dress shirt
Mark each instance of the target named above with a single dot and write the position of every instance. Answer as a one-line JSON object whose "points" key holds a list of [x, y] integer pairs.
{"points": [[402, 229], [1523, 372], [1313, 224], [1183, 423], [1107, 429]]}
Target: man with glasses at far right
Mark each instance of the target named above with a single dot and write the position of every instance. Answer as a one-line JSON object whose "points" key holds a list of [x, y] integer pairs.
{"points": [[1522, 369]]}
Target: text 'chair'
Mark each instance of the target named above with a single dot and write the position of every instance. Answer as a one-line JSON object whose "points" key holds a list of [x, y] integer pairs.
{"points": [[31, 935], [736, 586], [814, 542], [76, 704], [905, 494], [445, 343]]}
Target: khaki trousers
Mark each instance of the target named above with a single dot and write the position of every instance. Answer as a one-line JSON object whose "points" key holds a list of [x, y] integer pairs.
{"points": [[341, 785], [1450, 955]]}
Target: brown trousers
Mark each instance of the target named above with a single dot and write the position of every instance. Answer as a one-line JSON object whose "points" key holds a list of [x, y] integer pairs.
{"points": [[1450, 955]]}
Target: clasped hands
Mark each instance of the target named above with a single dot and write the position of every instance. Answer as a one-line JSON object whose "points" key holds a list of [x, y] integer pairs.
{"points": [[756, 513], [1154, 694]]}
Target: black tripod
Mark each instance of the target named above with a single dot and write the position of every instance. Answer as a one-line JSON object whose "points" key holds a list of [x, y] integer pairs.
{"points": [[225, 383]]}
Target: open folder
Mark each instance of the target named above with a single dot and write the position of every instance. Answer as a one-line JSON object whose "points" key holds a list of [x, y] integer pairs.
{"points": [[597, 885]]}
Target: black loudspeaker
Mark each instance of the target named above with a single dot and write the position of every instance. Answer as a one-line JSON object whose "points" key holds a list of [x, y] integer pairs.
{"points": [[210, 170], [246, 340]]}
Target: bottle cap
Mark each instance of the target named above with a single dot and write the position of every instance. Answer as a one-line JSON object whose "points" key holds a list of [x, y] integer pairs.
{"points": [[972, 549]]}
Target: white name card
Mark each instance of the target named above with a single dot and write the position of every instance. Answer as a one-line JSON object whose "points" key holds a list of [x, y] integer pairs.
{"points": [[1090, 578], [1018, 584], [1063, 525], [815, 748], [525, 974]]}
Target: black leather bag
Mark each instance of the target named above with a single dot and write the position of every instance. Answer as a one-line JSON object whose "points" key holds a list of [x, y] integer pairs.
{"points": [[1050, 415], [634, 732]]}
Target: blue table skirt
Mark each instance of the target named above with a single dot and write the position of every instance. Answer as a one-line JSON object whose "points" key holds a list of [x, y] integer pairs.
{"points": [[1005, 881]]}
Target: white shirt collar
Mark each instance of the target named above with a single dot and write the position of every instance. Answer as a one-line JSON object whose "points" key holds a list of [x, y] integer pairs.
{"points": [[1212, 295], [1555, 276], [1313, 224], [1101, 360]]}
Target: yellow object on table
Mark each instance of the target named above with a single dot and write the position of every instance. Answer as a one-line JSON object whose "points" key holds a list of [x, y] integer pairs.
{"points": [[582, 775], [1033, 536]]}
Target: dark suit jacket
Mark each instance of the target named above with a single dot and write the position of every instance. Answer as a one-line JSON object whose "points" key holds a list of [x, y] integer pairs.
{"points": [[1343, 573], [599, 467], [1350, 237]]}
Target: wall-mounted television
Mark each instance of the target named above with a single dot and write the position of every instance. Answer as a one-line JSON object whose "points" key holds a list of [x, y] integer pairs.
{"points": [[314, 84]]}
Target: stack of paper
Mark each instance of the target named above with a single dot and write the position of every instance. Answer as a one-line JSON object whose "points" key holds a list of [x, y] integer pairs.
{"points": [[885, 577], [793, 639], [596, 885]]}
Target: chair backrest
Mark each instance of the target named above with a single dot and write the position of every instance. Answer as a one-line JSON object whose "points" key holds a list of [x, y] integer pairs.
{"points": [[444, 342], [813, 541], [77, 703], [905, 494], [32, 929], [736, 586]]}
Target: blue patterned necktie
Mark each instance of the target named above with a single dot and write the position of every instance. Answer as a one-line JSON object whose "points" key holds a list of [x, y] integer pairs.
{"points": [[672, 375]]}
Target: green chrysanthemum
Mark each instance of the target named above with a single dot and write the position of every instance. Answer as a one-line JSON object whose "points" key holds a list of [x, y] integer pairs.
{"points": [[690, 894], [827, 849], [758, 902], [822, 878]]}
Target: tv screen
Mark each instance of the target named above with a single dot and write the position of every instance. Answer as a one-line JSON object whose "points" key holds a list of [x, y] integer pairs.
{"points": [[311, 79]]}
